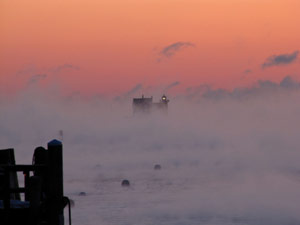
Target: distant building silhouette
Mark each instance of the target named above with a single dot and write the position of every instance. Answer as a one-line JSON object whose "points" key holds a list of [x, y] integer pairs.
{"points": [[146, 105]]}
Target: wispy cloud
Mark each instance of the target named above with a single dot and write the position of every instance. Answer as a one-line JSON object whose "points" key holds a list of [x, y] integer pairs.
{"points": [[172, 49], [174, 84], [132, 91], [277, 60], [65, 66], [28, 69], [289, 83], [260, 88], [247, 71], [36, 78], [129, 93]]}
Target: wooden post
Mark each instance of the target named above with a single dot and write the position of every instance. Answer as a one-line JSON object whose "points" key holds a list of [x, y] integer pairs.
{"points": [[55, 183], [6, 200], [34, 197], [7, 157], [26, 182]]}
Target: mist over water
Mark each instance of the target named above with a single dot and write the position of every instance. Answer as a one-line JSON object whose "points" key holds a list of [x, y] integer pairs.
{"points": [[224, 161]]}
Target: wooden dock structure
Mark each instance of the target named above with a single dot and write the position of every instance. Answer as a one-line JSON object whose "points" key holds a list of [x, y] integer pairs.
{"points": [[44, 200]]}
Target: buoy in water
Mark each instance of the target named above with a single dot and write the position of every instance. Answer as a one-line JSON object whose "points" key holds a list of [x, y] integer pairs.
{"points": [[125, 183], [157, 167]]}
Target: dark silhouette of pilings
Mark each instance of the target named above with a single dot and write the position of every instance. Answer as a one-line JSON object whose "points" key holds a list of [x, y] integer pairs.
{"points": [[34, 192], [55, 189], [43, 188]]}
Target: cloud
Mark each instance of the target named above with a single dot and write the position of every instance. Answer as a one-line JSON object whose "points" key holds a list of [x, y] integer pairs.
{"points": [[174, 84], [194, 92], [65, 66], [37, 78], [129, 93], [289, 83], [247, 71], [277, 60], [28, 69], [260, 88], [32, 69], [172, 49], [135, 89]]}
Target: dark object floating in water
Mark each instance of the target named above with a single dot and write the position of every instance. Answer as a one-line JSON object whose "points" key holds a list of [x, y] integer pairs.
{"points": [[125, 183], [157, 167], [82, 193]]}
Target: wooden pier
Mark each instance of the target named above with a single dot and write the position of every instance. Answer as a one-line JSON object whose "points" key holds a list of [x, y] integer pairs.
{"points": [[44, 200]]}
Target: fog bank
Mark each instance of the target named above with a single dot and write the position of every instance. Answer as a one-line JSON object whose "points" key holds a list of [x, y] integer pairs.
{"points": [[225, 159]]}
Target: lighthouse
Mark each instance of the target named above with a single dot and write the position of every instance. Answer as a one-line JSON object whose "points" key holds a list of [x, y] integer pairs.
{"points": [[146, 105]]}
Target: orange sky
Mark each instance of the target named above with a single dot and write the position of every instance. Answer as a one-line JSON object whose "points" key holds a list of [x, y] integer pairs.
{"points": [[115, 44]]}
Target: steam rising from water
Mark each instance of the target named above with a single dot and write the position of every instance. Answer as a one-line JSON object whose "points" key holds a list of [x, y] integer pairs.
{"points": [[223, 162]]}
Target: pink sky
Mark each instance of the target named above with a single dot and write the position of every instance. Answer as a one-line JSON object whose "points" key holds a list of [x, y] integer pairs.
{"points": [[109, 46]]}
